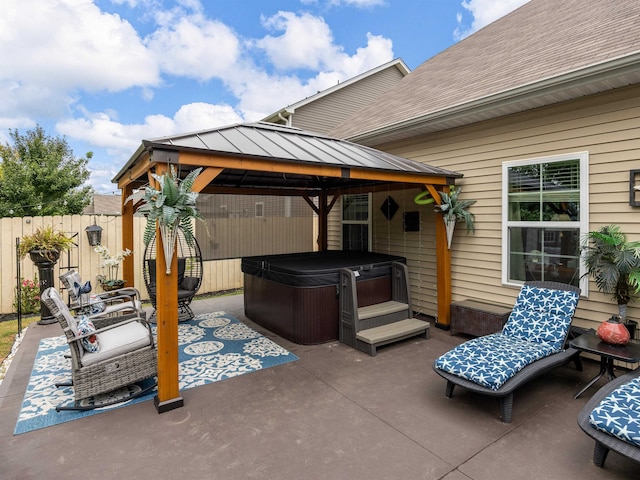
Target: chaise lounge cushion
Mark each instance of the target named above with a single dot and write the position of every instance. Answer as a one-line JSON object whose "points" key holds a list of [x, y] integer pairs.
{"points": [[618, 413], [123, 339], [542, 315], [537, 327], [491, 360]]}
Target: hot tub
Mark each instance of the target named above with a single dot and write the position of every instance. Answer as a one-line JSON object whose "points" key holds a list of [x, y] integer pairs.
{"points": [[296, 295]]}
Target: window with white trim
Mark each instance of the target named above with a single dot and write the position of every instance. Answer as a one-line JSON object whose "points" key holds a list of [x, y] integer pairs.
{"points": [[545, 214], [356, 222]]}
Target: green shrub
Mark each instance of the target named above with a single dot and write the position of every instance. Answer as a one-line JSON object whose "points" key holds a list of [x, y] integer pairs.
{"points": [[29, 296]]}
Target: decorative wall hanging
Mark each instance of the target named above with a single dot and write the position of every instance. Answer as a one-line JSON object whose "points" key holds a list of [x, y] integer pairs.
{"points": [[389, 207]]}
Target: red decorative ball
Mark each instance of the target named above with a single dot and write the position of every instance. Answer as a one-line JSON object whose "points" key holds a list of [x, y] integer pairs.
{"points": [[614, 332]]}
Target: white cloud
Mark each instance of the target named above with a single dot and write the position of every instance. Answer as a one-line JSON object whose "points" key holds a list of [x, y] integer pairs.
{"points": [[307, 41], [484, 12], [51, 49], [358, 3], [194, 47], [119, 140], [104, 131]]}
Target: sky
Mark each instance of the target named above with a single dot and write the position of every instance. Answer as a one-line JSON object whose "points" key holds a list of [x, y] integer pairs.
{"points": [[106, 74]]}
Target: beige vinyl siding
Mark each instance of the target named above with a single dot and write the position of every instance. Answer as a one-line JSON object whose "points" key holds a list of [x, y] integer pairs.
{"points": [[325, 113], [389, 237], [607, 126]]}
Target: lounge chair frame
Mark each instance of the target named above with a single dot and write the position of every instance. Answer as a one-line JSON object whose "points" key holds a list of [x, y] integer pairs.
{"points": [[535, 369], [108, 374], [604, 441]]}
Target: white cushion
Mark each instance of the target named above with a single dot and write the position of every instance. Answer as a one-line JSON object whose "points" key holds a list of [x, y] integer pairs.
{"points": [[117, 341]]}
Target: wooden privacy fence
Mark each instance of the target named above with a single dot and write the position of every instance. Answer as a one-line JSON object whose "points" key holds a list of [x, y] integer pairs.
{"points": [[218, 275]]}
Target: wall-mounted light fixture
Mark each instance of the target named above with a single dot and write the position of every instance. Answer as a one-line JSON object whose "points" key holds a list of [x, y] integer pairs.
{"points": [[634, 188], [94, 234]]}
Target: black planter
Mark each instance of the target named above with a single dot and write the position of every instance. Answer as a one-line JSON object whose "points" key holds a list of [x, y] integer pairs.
{"points": [[45, 260]]}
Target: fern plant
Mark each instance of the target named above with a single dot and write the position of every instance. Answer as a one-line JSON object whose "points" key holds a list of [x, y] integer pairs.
{"points": [[453, 209], [172, 205]]}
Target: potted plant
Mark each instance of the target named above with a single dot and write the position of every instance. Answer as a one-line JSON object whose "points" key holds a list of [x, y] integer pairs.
{"points": [[612, 261], [44, 247], [110, 265], [454, 210], [172, 206], [45, 242]]}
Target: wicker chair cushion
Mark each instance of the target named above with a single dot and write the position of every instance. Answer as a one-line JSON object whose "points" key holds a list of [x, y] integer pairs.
{"points": [[542, 315], [618, 414], [86, 326], [189, 283], [493, 359], [117, 341]]}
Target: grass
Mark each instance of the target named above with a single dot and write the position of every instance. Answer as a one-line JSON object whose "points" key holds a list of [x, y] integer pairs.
{"points": [[8, 332]]}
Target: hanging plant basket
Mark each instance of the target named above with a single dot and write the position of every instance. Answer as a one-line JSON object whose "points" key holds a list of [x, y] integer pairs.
{"points": [[169, 234], [450, 225]]}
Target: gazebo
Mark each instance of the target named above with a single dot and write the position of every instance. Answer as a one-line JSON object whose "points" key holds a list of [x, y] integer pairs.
{"points": [[267, 159]]}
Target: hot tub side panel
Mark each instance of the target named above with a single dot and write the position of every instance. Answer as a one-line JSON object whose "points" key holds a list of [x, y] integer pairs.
{"points": [[304, 315]]}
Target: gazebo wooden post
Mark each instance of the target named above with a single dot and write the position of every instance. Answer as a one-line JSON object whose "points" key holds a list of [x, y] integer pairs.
{"points": [[443, 267], [323, 222], [127, 236], [168, 397]]}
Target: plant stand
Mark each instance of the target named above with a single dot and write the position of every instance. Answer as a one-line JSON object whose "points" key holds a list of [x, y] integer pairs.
{"points": [[45, 260]]}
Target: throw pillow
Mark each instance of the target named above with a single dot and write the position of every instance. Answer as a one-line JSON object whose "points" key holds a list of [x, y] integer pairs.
{"points": [[90, 343], [97, 305]]}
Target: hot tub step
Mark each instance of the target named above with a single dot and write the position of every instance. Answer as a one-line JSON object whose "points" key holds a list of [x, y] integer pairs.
{"points": [[392, 332]]}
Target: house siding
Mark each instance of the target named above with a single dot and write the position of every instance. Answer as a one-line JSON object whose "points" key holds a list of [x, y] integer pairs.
{"points": [[324, 114], [607, 126]]}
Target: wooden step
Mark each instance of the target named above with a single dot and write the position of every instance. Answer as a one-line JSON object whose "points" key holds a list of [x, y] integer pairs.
{"points": [[380, 309], [394, 331]]}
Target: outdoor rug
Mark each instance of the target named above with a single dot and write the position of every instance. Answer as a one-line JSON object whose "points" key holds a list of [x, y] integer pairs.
{"points": [[212, 347]]}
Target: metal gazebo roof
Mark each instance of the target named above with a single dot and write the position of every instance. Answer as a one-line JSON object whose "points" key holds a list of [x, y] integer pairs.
{"points": [[275, 157]]}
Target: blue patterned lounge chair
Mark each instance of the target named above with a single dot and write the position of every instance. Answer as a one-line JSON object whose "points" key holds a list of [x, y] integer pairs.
{"points": [[612, 418], [532, 342]]}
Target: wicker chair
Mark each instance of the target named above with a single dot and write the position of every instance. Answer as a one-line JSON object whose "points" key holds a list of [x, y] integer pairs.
{"points": [[127, 355], [123, 301], [189, 274], [604, 441], [533, 370]]}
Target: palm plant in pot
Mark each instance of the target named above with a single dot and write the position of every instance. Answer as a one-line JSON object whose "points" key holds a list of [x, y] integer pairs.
{"points": [[612, 261], [172, 207]]}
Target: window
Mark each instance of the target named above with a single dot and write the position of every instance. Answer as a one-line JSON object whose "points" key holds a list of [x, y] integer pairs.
{"points": [[356, 222], [545, 215], [259, 209]]}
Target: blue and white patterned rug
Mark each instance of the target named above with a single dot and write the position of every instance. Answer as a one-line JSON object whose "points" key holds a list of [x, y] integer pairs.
{"points": [[212, 347]]}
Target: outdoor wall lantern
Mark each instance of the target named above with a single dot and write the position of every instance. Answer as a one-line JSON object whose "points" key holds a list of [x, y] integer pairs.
{"points": [[634, 188], [94, 234]]}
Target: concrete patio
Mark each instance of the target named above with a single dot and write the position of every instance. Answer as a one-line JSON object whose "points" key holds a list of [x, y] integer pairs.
{"points": [[336, 413]]}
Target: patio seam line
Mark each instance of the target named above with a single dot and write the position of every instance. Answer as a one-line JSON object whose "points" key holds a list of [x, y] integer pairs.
{"points": [[365, 409]]}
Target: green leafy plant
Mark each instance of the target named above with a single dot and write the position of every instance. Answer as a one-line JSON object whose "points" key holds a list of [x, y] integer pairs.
{"points": [[173, 204], [45, 239], [454, 209], [29, 296], [612, 262]]}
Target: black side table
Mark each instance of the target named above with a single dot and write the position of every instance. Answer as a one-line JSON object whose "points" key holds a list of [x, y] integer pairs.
{"points": [[591, 343]]}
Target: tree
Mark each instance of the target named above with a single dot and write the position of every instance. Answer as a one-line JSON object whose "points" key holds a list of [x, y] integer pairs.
{"points": [[39, 175]]}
